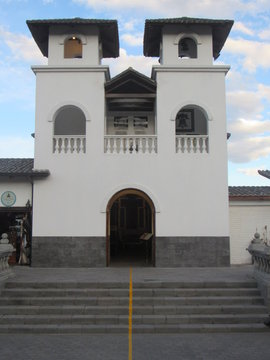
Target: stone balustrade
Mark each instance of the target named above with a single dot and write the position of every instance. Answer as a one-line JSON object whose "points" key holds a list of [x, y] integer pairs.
{"points": [[192, 144], [130, 144], [260, 252], [6, 250], [69, 144]]}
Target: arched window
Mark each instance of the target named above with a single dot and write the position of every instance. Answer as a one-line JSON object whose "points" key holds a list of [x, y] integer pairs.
{"points": [[73, 48], [191, 130], [191, 120], [187, 48], [70, 120]]}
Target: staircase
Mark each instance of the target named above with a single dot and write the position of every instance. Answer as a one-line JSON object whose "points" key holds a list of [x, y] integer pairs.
{"points": [[158, 307]]}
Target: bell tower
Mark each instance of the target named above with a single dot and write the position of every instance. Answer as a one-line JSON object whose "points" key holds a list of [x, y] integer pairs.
{"points": [[69, 130], [191, 123]]}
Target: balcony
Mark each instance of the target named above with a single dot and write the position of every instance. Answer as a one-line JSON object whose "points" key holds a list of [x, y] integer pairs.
{"points": [[130, 144], [69, 144], [192, 144]]}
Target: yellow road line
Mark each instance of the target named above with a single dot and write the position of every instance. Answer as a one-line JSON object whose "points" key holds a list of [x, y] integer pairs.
{"points": [[130, 317]]}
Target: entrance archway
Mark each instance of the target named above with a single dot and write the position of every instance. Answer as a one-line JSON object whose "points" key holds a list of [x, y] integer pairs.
{"points": [[130, 229]]}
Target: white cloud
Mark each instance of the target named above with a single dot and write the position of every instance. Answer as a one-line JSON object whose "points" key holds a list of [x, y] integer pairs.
{"points": [[248, 149], [255, 54], [245, 104], [242, 127], [206, 8], [250, 171], [130, 25], [264, 91], [133, 39], [22, 47], [138, 62], [265, 34], [239, 26], [250, 129], [16, 147]]}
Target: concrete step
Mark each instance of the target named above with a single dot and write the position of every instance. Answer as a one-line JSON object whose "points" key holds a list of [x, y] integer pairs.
{"points": [[137, 310], [137, 329], [158, 292], [125, 285], [110, 301], [158, 307], [136, 319]]}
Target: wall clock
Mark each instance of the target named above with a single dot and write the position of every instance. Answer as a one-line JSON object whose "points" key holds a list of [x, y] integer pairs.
{"points": [[8, 198]]}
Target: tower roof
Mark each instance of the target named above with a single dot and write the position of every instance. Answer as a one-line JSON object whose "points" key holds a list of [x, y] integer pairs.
{"points": [[153, 32], [108, 33]]}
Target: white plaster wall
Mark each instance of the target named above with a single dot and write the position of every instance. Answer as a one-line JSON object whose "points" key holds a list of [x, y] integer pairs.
{"points": [[196, 195], [170, 46], [245, 218], [191, 188], [90, 40], [22, 190]]}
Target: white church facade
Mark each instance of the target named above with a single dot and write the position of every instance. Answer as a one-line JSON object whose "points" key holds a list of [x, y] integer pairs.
{"points": [[131, 167]]}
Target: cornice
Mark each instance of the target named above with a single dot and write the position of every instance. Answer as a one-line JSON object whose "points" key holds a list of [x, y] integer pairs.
{"points": [[189, 68], [72, 69]]}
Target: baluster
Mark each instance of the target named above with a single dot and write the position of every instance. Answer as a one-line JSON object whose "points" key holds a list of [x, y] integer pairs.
{"points": [[117, 145], [140, 146], [66, 145], [155, 144], [72, 141], [177, 144], [207, 144], [188, 144], [149, 144], [121, 145], [130, 145], [183, 144], [78, 145], [202, 144], [114, 147], [60, 144], [54, 145], [198, 144], [84, 145], [193, 144]]}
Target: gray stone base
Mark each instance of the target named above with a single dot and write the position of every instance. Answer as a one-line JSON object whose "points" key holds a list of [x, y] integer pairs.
{"points": [[196, 251], [62, 251], [263, 280]]}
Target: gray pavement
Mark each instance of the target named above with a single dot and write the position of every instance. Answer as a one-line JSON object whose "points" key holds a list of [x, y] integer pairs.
{"points": [[155, 347], [234, 273], [183, 346]]}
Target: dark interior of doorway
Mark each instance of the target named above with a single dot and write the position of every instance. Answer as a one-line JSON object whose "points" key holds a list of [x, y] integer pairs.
{"points": [[16, 222], [130, 232]]}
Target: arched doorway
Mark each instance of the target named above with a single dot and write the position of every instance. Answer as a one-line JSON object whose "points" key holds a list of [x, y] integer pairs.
{"points": [[130, 229]]}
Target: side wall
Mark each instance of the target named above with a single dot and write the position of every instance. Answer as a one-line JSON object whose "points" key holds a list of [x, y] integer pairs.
{"points": [[247, 217]]}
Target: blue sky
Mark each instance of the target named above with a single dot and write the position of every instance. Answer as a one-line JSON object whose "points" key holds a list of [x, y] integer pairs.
{"points": [[247, 51]]}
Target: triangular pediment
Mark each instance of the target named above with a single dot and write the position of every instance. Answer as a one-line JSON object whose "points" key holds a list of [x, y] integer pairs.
{"points": [[130, 81]]}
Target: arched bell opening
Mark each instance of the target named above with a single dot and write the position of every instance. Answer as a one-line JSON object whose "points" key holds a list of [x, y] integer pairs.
{"points": [[130, 229]]}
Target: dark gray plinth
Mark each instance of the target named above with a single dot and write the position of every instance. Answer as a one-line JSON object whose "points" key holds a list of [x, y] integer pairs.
{"points": [[198, 251], [64, 251]]}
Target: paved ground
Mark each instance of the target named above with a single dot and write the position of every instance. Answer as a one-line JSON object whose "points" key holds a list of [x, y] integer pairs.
{"points": [[161, 347], [145, 347], [234, 273]]}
